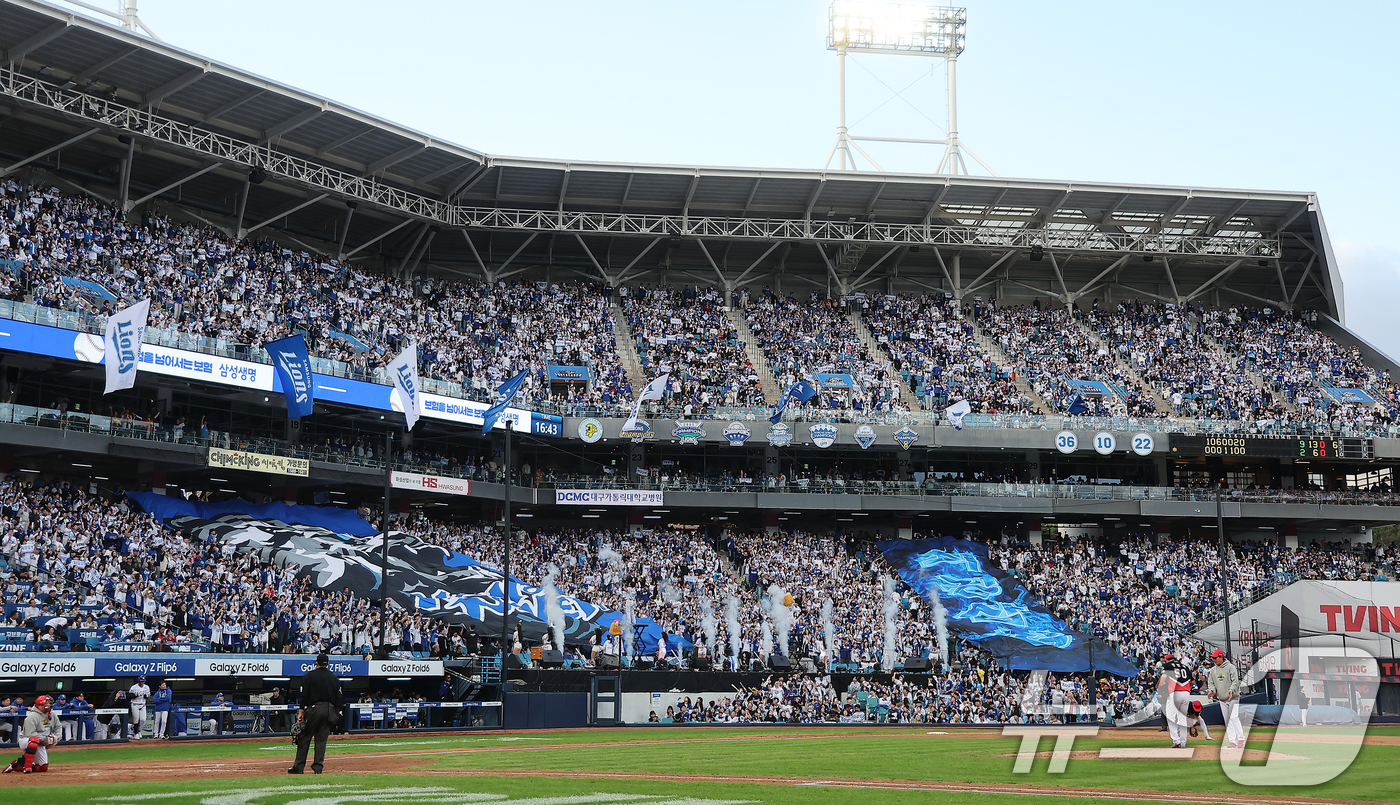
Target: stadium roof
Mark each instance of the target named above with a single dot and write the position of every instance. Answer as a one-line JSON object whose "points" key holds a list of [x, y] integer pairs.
{"points": [[99, 109]]}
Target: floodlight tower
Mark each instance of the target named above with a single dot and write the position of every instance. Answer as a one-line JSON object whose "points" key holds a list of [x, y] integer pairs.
{"points": [[909, 29], [125, 15]]}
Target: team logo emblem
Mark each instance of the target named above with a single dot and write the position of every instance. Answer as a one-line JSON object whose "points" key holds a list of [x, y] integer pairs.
{"points": [[780, 435], [737, 434], [640, 430], [865, 436], [590, 430], [689, 432], [823, 435], [905, 436]]}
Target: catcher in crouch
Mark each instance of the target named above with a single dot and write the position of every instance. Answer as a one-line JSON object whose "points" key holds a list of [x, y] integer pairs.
{"points": [[38, 733]]}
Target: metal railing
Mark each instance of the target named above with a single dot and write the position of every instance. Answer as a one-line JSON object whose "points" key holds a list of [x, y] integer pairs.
{"points": [[935, 488], [121, 427]]}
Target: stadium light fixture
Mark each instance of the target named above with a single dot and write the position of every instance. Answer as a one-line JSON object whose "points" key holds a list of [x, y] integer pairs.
{"points": [[900, 29]]}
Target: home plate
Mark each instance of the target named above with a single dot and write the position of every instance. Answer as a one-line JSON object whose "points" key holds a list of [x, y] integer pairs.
{"points": [[1148, 753]]}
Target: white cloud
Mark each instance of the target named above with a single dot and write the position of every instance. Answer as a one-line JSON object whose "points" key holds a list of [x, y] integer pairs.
{"points": [[1371, 278]]}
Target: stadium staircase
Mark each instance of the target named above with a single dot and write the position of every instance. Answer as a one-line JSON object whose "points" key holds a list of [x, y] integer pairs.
{"points": [[992, 348], [1222, 354], [766, 380], [906, 394], [1123, 363], [627, 347]]}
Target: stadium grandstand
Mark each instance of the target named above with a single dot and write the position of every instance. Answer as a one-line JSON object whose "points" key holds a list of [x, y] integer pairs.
{"points": [[881, 391]]}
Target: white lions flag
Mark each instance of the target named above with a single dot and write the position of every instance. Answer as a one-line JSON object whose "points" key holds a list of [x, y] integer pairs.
{"points": [[404, 371], [956, 412], [122, 345], [654, 390]]}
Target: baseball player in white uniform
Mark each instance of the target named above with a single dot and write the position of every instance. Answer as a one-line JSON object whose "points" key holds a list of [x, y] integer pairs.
{"points": [[140, 693], [1175, 689], [1225, 688]]}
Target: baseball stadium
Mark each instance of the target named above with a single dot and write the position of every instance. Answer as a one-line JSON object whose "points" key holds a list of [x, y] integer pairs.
{"points": [[331, 448]]}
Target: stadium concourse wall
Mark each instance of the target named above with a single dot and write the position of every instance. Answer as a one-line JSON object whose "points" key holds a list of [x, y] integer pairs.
{"points": [[246, 682], [1096, 501]]}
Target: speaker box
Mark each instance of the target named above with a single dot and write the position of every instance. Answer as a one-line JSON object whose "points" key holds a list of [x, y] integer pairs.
{"points": [[778, 662], [918, 664], [551, 659], [612, 661]]}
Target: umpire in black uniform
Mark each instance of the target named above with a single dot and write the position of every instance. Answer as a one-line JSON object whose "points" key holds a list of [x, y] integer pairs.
{"points": [[321, 704]]}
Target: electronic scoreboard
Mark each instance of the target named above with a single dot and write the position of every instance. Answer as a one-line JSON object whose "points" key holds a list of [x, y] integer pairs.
{"points": [[1247, 446]]}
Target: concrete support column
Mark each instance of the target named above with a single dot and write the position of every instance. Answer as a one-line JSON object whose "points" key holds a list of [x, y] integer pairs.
{"points": [[636, 460], [1034, 464]]}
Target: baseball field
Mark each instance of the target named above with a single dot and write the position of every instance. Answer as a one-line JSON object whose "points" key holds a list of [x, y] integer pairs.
{"points": [[692, 766]]}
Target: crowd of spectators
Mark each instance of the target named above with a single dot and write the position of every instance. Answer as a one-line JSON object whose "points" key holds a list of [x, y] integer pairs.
{"points": [[1048, 346], [801, 340], [246, 293], [1168, 345], [78, 253], [78, 560], [686, 333], [1297, 361], [936, 350]]}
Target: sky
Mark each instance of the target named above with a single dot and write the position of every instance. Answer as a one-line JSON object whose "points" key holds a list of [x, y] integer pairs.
{"points": [[1257, 95]]}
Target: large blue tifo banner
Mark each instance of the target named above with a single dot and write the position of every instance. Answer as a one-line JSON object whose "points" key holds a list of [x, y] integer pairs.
{"points": [[337, 549], [992, 609]]}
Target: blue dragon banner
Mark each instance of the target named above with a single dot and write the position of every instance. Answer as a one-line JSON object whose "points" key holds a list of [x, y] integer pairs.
{"points": [[991, 608]]}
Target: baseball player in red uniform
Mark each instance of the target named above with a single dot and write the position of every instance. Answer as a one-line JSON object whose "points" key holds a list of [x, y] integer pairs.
{"points": [[38, 733]]}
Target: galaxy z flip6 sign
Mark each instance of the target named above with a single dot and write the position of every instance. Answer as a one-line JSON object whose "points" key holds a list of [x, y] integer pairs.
{"points": [[336, 550]]}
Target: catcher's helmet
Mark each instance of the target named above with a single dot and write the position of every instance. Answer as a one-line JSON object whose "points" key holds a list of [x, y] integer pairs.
{"points": [[43, 703]]}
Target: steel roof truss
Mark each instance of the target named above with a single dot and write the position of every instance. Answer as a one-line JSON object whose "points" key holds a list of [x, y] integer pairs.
{"points": [[88, 72], [220, 111], [292, 123], [187, 177], [382, 235], [1223, 273], [1171, 279], [173, 86], [876, 265], [724, 283], [1302, 278], [587, 251], [622, 275], [283, 213], [51, 149], [16, 54], [755, 263]]}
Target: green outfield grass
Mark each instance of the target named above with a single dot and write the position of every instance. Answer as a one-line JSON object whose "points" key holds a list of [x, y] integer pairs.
{"points": [[534, 791], [894, 755]]}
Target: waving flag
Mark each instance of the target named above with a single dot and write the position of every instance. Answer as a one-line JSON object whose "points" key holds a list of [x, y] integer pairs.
{"points": [[801, 391], [654, 390], [122, 345], [504, 395], [403, 370], [293, 364], [956, 412], [1077, 405]]}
